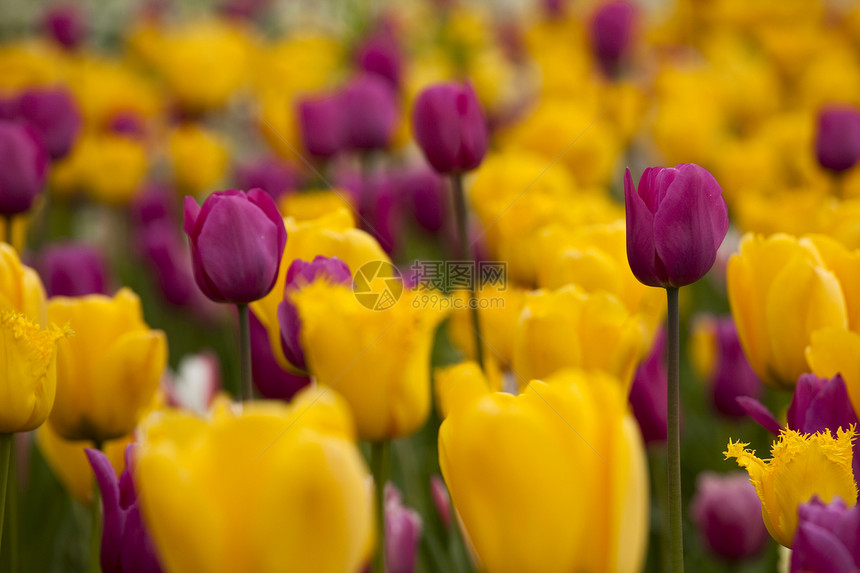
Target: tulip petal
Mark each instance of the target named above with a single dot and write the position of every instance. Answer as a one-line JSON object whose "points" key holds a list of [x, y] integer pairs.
{"points": [[834, 351], [760, 414], [816, 549], [114, 518], [641, 251]]}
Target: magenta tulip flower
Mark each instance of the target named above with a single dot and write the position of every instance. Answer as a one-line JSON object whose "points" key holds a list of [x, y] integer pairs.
{"points": [[272, 381], [55, 115], [237, 241], [380, 55], [321, 124], [676, 221], [450, 128], [370, 112], [25, 165], [403, 526], [73, 270], [827, 538], [66, 24], [268, 174], [611, 32], [837, 141], [648, 393]]}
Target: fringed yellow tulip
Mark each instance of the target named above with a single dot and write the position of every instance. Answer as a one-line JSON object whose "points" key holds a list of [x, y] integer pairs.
{"points": [[272, 488], [108, 373], [801, 466], [554, 479], [21, 288]]}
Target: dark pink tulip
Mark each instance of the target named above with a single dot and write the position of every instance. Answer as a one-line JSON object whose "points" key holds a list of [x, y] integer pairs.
{"points": [[648, 392], [73, 270], [126, 545], [426, 193], [271, 380], [268, 174], [450, 128], [55, 115], [676, 221], [732, 376], [611, 32], [25, 165], [370, 112], [403, 528], [322, 125], [65, 23], [441, 499], [127, 123], [237, 240], [154, 203], [837, 141], [827, 538], [162, 246], [727, 512], [380, 55]]}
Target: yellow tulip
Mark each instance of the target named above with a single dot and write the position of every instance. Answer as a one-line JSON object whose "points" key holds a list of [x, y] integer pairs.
{"points": [[780, 292], [28, 363], [199, 158], [568, 328], [69, 464], [272, 488], [801, 466], [309, 205], [21, 288], [568, 490], [458, 383], [109, 167], [108, 373], [498, 313], [834, 351], [331, 235], [379, 360]]}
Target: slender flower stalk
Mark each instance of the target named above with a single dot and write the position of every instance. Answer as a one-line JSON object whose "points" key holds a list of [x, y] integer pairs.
{"points": [[466, 255], [380, 462], [5, 457], [673, 440], [10, 235], [245, 379]]}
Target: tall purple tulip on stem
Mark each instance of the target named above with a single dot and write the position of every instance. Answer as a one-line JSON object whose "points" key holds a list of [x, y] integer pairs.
{"points": [[676, 221]]}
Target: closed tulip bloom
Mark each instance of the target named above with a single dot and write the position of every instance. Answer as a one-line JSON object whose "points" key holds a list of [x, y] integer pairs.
{"points": [[25, 165], [370, 112], [549, 499], [837, 141], [322, 125], [648, 392], [801, 466], [449, 127], [403, 528], [676, 221], [828, 538], [21, 288], [126, 546], [611, 33], [271, 380], [726, 510], [108, 373], [381, 56], [820, 404], [73, 270], [268, 174], [65, 23], [28, 372], [237, 240], [55, 115], [189, 470], [426, 192]]}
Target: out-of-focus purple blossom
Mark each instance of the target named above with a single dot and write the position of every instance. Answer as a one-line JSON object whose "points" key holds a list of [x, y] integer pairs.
{"points": [[268, 174], [66, 24], [827, 538], [73, 270], [611, 33], [403, 528], [555, 9], [380, 55], [727, 512], [425, 192], [322, 124], [247, 9], [170, 260], [54, 115], [154, 203], [127, 123], [25, 165], [370, 112], [837, 141], [126, 545], [441, 499], [195, 384], [648, 392], [272, 381]]}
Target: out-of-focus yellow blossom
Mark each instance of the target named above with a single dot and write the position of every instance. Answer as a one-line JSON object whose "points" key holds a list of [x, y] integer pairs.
{"points": [[780, 292], [69, 464], [331, 235], [462, 382], [569, 328], [202, 63], [801, 466], [792, 137], [834, 351], [21, 225], [379, 360], [792, 211], [493, 77], [109, 167], [309, 205], [703, 346], [567, 492], [30, 63], [627, 105], [832, 73], [21, 288], [108, 373], [745, 166], [28, 363], [581, 138], [843, 222], [189, 470], [562, 56], [199, 158], [498, 313]]}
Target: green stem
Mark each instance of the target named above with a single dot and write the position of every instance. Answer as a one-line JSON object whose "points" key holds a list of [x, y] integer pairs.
{"points": [[380, 461], [658, 478], [12, 512], [245, 380], [5, 458], [9, 233], [466, 255], [673, 403]]}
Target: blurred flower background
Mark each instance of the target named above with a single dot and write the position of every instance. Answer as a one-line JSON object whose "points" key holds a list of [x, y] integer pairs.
{"points": [[525, 432]]}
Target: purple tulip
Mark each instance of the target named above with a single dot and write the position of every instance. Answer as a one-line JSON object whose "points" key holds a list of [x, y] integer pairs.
{"points": [[648, 392], [441, 499], [268, 174], [271, 380], [827, 538], [403, 527], [246, 9], [73, 270], [237, 241], [66, 24], [732, 376], [25, 164], [727, 512], [128, 123], [126, 544], [55, 115], [381, 56], [302, 273], [450, 128], [322, 125], [426, 193], [379, 208], [837, 142], [370, 112], [676, 221], [611, 32], [154, 203]]}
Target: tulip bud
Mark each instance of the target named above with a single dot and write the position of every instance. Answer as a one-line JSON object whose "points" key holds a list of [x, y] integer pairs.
{"points": [[369, 112], [441, 499], [126, 545], [25, 163], [450, 128], [426, 192], [611, 32], [65, 23], [403, 527], [271, 380], [73, 270], [380, 55], [322, 126], [237, 240], [676, 221], [828, 537], [726, 510], [648, 392], [837, 142], [55, 115], [267, 174]]}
